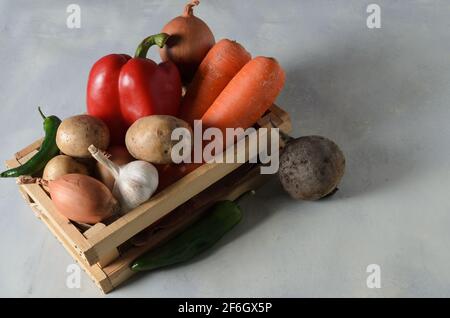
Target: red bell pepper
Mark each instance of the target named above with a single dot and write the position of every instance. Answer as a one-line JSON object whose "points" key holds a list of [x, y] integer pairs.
{"points": [[122, 89]]}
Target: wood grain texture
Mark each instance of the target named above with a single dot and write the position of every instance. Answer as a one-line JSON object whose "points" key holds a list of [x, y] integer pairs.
{"points": [[106, 251]]}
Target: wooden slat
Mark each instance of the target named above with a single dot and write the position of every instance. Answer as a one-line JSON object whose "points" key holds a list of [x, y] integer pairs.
{"points": [[61, 229], [160, 205], [280, 113], [28, 149], [153, 212], [95, 272], [12, 163], [94, 230], [27, 157], [112, 255], [284, 122], [245, 179], [70, 233]]}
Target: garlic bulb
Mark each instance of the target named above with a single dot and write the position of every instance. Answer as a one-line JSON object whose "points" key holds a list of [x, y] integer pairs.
{"points": [[135, 181]]}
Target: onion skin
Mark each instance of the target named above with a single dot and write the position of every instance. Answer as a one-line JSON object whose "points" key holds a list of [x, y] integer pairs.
{"points": [[120, 156], [82, 198], [189, 42]]}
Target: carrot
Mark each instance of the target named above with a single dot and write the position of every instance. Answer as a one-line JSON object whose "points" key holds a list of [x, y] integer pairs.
{"points": [[216, 70], [248, 95]]}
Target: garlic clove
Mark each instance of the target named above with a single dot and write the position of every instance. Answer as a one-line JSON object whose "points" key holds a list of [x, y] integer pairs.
{"points": [[136, 183]]}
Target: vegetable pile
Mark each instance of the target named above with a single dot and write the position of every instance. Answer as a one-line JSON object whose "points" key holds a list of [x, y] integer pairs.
{"points": [[114, 158]]}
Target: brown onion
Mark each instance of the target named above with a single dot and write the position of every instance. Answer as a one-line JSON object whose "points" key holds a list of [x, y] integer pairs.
{"points": [[82, 198], [120, 156], [189, 42]]}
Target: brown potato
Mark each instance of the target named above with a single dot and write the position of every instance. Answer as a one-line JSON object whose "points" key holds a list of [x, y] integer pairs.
{"points": [[62, 165], [77, 133], [149, 138]]}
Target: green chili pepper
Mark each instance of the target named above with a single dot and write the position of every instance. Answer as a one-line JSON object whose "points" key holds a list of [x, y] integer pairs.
{"points": [[196, 239], [47, 151]]}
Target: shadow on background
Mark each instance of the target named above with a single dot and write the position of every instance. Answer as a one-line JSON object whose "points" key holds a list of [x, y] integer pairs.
{"points": [[356, 99]]}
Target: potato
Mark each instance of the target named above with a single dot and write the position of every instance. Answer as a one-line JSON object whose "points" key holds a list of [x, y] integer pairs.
{"points": [[311, 167], [62, 165], [77, 133], [120, 156], [149, 138]]}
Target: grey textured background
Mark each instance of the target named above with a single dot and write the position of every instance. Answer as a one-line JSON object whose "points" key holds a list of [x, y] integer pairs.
{"points": [[382, 95]]}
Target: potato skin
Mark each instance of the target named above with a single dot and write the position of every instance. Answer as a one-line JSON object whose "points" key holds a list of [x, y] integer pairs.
{"points": [[149, 138], [77, 133], [62, 165], [311, 167]]}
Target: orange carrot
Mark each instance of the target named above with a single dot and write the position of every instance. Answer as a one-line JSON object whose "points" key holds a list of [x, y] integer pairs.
{"points": [[248, 95], [219, 66]]}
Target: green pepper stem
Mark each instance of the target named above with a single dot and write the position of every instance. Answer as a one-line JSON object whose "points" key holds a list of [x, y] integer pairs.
{"points": [[159, 39], [42, 114]]}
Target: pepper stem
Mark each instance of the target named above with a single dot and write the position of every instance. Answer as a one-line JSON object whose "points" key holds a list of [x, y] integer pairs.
{"points": [[102, 159], [159, 39], [42, 114]]}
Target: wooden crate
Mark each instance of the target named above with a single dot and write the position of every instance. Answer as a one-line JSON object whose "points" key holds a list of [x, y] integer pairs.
{"points": [[105, 251]]}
